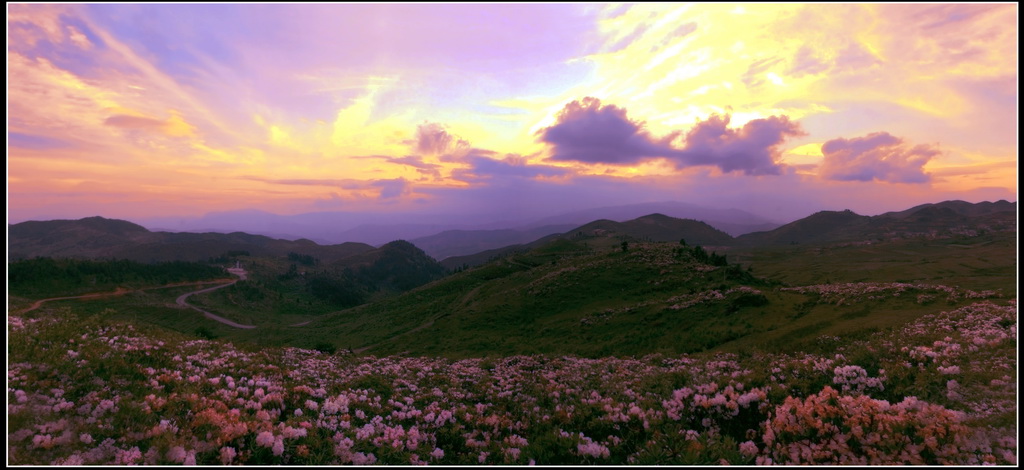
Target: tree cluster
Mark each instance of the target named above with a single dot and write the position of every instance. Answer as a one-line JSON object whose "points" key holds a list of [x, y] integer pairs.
{"points": [[48, 275]]}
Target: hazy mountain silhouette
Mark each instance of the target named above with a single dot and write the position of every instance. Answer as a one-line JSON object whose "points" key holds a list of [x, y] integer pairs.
{"points": [[378, 228], [97, 237]]}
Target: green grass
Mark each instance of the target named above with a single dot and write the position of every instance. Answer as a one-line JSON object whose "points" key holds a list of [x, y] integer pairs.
{"points": [[570, 297], [983, 262]]}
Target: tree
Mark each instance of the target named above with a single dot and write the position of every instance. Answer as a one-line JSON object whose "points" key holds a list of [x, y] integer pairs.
{"points": [[625, 246]]}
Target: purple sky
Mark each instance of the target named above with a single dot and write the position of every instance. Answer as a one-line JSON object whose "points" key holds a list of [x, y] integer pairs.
{"points": [[139, 111]]}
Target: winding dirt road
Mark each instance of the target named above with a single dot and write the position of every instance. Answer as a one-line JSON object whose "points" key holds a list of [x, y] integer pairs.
{"points": [[114, 293], [181, 300]]}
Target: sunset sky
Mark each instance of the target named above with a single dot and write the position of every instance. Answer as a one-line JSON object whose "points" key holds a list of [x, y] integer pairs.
{"points": [[136, 111]]}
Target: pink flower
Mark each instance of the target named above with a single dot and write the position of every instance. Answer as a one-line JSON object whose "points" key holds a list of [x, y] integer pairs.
{"points": [[176, 454], [361, 459], [227, 454], [128, 457], [265, 439], [748, 449]]}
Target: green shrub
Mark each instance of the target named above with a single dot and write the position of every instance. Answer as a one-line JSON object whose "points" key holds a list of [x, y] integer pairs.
{"points": [[325, 347]]}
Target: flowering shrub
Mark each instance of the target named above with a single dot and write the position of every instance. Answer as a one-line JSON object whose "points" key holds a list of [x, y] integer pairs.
{"points": [[93, 393], [828, 428], [853, 292]]}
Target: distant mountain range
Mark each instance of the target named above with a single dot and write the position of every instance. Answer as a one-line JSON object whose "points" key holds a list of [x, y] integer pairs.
{"points": [[927, 220], [944, 219], [454, 243], [494, 229], [97, 237]]}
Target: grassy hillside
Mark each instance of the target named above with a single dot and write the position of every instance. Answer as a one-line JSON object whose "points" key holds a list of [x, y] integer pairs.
{"points": [[285, 291], [566, 297], [977, 262]]}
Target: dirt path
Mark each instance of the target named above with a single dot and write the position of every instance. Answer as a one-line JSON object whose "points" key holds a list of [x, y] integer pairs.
{"points": [[116, 292], [182, 300]]}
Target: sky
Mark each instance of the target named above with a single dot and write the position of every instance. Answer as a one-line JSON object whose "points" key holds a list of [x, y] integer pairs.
{"points": [[139, 111]]}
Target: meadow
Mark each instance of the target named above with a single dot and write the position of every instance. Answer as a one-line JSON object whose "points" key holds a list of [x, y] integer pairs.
{"points": [[939, 390]]}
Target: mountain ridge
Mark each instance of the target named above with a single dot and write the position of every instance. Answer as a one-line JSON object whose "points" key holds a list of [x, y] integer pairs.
{"points": [[99, 237]]}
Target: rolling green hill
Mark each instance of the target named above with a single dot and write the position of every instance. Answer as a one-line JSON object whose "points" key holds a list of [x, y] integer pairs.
{"points": [[607, 234], [567, 298], [609, 288]]}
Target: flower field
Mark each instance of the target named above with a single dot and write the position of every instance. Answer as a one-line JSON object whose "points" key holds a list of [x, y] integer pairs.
{"points": [[941, 390]]}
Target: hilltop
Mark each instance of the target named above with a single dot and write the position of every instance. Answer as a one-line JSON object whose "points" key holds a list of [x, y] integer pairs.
{"points": [[942, 220], [608, 234]]}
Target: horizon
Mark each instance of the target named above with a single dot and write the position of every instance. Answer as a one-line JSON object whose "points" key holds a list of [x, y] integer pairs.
{"points": [[514, 112], [521, 224]]}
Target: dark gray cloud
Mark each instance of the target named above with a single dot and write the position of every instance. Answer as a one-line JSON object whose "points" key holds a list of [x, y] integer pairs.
{"points": [[590, 133], [876, 156]]}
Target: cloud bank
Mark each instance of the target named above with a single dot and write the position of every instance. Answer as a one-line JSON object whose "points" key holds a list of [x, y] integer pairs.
{"points": [[588, 132]]}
